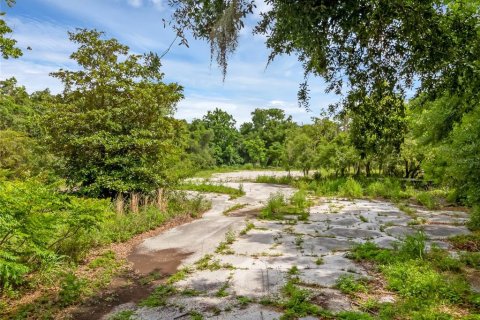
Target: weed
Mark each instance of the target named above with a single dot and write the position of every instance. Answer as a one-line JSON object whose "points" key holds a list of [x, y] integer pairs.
{"points": [[150, 278], [348, 284], [235, 207], [427, 199], [248, 227], [207, 263], [299, 241], [244, 301], [195, 315], [102, 260], [158, 297], [122, 315], [222, 292], [71, 289], [351, 189], [293, 271], [181, 274], [319, 261], [363, 219], [298, 302], [224, 246], [273, 208]]}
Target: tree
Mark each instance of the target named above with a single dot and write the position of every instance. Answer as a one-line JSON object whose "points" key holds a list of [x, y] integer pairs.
{"points": [[201, 154], [255, 150], [225, 140], [270, 126], [114, 127], [7, 44]]}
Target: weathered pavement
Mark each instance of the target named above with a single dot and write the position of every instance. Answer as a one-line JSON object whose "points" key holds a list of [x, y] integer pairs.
{"points": [[257, 263]]}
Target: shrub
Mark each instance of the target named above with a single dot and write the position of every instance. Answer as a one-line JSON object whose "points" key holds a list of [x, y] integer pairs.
{"points": [[274, 205], [427, 199], [474, 221], [39, 225], [388, 188], [351, 189], [71, 289]]}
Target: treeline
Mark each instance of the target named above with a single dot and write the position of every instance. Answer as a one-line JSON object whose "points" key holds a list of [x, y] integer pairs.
{"points": [[87, 167]]}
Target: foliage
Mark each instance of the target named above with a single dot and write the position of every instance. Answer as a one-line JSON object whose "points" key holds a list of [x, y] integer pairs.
{"points": [[351, 189], [8, 47], [225, 137], [348, 284], [158, 297], [38, 226], [114, 126]]}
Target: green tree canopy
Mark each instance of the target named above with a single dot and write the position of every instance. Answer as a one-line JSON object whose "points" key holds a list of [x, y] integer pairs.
{"points": [[115, 128]]}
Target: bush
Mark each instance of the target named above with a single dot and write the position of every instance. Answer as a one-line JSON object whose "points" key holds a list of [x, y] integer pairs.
{"points": [[474, 221], [351, 189], [427, 199], [71, 289], [388, 188], [274, 206], [39, 225]]}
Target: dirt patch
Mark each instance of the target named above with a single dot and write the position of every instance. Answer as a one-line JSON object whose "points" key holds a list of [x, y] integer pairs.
{"points": [[163, 261], [122, 290]]}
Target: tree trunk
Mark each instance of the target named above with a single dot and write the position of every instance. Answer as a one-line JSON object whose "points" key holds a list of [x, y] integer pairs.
{"points": [[161, 203], [119, 203], [367, 168], [134, 202]]}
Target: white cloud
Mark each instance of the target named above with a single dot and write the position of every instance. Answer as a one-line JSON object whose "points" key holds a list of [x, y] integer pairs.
{"points": [[248, 84], [135, 3]]}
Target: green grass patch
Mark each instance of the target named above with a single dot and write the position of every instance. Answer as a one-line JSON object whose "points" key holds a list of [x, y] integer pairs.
{"points": [[348, 284], [179, 275], [250, 225], [158, 297], [275, 180], [277, 206], [425, 281], [215, 188], [122, 315]]}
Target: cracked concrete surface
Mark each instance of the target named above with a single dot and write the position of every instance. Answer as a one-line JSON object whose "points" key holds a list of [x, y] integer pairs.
{"points": [[261, 258]]}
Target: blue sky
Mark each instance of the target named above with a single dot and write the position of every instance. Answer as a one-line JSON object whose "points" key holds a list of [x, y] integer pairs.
{"points": [[43, 25]]}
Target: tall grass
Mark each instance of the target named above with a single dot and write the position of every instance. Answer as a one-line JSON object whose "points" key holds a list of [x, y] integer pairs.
{"points": [[216, 188]]}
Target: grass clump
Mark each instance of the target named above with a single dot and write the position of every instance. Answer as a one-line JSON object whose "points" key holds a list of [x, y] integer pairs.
{"points": [[216, 188], [195, 315], [243, 301], [425, 281], [351, 189], [273, 209], [428, 200], [207, 263], [224, 246], [277, 206], [122, 315], [275, 180], [250, 225], [222, 292], [158, 297], [235, 207], [347, 284], [297, 302], [180, 275]]}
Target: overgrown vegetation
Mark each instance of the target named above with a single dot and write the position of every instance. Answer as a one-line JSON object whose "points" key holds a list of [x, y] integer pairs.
{"points": [[429, 284], [217, 188], [277, 207]]}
